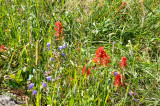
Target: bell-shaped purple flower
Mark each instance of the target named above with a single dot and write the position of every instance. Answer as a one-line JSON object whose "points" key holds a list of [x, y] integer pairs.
{"points": [[31, 86], [34, 92], [64, 46], [95, 68], [63, 54], [44, 84], [51, 59], [49, 78], [116, 73], [132, 93], [60, 47], [48, 44]]}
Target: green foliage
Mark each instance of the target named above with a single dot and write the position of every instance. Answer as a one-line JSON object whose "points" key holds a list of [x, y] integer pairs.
{"points": [[133, 32]]}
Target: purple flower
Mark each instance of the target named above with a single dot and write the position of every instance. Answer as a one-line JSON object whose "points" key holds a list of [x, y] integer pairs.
{"points": [[48, 44], [116, 73], [49, 78], [51, 59], [44, 84], [63, 54], [31, 86], [34, 92], [66, 58], [95, 68], [64, 46], [132, 93], [60, 47]]}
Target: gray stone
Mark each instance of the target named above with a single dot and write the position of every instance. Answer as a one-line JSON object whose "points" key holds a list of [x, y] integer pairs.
{"points": [[7, 101]]}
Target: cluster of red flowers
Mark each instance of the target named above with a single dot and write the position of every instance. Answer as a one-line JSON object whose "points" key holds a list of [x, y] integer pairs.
{"points": [[117, 81], [59, 30], [117, 75], [123, 62], [84, 70], [3, 48], [101, 57]]}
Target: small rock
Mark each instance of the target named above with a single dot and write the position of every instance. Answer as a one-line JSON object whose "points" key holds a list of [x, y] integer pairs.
{"points": [[7, 101]]}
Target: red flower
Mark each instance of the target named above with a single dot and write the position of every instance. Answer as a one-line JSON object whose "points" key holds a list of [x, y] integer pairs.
{"points": [[3, 48], [72, 79], [59, 30], [123, 62], [88, 71], [101, 57], [122, 5], [117, 81], [83, 70]]}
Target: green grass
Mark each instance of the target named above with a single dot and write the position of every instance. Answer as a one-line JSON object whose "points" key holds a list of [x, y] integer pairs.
{"points": [[134, 32]]}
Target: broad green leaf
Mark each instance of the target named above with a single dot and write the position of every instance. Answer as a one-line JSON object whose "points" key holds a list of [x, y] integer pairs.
{"points": [[12, 76]]}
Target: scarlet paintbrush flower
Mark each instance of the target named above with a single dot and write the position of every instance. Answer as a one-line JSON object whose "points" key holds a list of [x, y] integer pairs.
{"points": [[84, 69], [101, 57], [123, 62], [117, 81], [59, 30], [88, 71], [3, 48], [122, 5]]}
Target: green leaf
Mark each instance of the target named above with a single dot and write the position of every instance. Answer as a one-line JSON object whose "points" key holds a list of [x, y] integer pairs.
{"points": [[18, 74], [19, 80], [71, 102], [12, 76]]}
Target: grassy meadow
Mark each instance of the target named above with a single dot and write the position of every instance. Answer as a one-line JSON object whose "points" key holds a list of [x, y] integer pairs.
{"points": [[80, 52]]}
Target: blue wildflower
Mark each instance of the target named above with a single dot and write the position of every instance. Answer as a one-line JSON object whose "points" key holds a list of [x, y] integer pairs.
{"points": [[44, 84], [51, 59], [60, 47], [132, 93], [95, 68], [31, 86], [63, 54], [116, 73], [48, 44], [64, 46], [34, 92], [49, 78]]}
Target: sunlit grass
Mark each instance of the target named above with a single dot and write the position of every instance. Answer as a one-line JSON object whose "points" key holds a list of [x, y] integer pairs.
{"points": [[131, 31]]}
